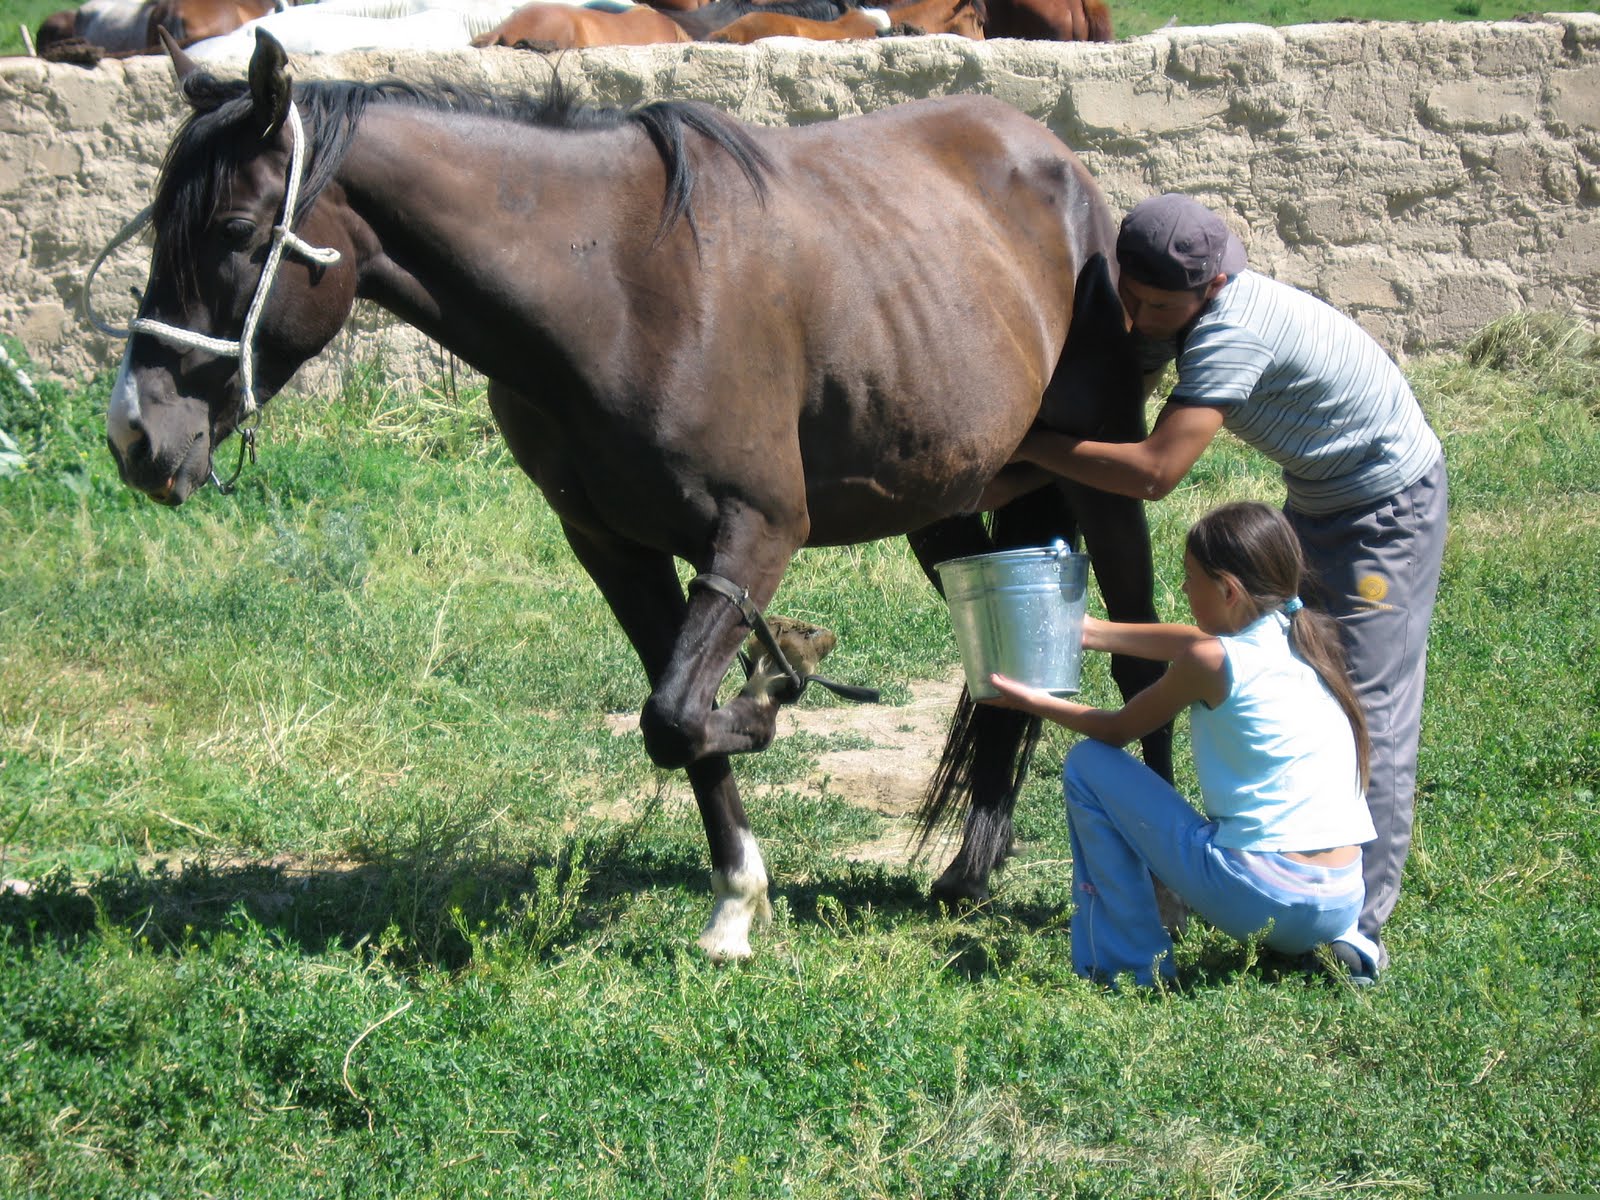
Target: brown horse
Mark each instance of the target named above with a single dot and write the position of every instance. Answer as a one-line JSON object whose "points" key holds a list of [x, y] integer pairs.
{"points": [[548, 26], [701, 21], [964, 17], [190, 21], [692, 352]]}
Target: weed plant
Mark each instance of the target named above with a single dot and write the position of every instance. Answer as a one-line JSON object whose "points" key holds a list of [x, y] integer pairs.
{"points": [[331, 877]]}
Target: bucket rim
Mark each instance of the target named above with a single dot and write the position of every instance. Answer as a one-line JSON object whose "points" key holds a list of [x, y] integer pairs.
{"points": [[1055, 550]]}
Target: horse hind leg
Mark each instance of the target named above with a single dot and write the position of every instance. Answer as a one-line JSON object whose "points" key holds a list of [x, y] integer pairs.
{"points": [[988, 750]]}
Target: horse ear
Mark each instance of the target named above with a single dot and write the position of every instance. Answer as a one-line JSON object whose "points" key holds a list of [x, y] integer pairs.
{"points": [[182, 65], [269, 83]]}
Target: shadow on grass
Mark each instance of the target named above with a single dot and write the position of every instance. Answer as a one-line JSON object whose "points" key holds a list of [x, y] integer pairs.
{"points": [[424, 912], [424, 908]]}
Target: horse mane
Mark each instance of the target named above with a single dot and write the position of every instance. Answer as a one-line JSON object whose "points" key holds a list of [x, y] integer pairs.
{"points": [[200, 160]]}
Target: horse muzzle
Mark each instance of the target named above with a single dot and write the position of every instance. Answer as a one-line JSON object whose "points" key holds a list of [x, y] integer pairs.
{"points": [[168, 479]]}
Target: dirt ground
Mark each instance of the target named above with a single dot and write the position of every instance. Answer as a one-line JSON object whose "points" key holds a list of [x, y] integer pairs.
{"points": [[890, 777]]}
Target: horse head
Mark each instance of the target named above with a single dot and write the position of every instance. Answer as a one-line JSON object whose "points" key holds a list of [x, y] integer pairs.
{"points": [[247, 280]]}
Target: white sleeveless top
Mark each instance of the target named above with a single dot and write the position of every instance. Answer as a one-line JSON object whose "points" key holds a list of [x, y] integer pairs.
{"points": [[1277, 758]]}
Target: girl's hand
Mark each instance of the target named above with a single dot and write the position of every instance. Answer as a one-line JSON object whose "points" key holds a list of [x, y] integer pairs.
{"points": [[1018, 695]]}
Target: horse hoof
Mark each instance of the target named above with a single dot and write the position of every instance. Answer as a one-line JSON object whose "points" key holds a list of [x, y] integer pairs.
{"points": [[724, 949], [958, 892], [722, 952]]}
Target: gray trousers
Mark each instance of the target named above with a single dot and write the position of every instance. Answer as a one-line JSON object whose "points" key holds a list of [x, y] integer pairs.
{"points": [[1377, 571]]}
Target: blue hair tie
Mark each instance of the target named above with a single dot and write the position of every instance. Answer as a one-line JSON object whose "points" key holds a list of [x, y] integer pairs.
{"points": [[1292, 605]]}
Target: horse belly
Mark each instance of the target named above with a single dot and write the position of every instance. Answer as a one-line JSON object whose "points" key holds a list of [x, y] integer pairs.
{"points": [[924, 381], [939, 311]]}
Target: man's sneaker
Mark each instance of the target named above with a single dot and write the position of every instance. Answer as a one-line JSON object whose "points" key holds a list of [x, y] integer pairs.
{"points": [[1359, 970]]}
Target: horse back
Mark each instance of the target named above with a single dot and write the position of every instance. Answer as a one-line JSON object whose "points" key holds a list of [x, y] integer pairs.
{"points": [[960, 181]]}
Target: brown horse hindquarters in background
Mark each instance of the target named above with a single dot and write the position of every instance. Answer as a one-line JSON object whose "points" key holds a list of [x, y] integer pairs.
{"points": [[565, 27], [842, 337], [962, 17]]}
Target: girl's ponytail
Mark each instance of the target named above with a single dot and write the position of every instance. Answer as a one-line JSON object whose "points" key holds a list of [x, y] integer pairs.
{"points": [[1315, 638]]}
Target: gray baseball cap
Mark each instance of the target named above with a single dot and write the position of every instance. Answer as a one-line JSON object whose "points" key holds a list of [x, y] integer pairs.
{"points": [[1176, 244]]}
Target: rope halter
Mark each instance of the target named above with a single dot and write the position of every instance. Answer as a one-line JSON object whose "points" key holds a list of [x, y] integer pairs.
{"points": [[282, 236]]}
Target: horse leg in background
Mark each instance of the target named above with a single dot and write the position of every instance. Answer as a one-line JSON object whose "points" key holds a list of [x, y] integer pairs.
{"points": [[1117, 537], [1117, 540]]}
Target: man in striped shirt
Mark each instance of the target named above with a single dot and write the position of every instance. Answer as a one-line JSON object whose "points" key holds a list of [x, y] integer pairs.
{"points": [[1365, 476]]}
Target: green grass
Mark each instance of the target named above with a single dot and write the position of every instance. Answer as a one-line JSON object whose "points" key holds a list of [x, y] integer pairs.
{"points": [[1131, 18], [16, 13], [342, 886]]}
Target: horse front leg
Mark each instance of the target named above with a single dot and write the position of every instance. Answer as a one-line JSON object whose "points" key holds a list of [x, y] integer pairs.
{"points": [[682, 722], [641, 586], [683, 726], [739, 881]]}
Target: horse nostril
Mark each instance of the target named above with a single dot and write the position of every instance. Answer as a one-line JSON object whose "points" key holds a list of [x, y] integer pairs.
{"points": [[138, 449]]}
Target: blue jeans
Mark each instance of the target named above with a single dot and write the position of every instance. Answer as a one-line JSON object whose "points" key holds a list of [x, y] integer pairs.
{"points": [[1126, 822]]}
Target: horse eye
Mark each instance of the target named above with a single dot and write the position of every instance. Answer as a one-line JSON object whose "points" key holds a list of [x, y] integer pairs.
{"points": [[238, 231]]}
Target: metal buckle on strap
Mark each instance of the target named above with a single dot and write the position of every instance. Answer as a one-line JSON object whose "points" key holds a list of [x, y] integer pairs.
{"points": [[740, 598]]}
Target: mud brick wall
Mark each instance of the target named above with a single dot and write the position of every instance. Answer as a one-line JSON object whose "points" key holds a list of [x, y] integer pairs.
{"points": [[1424, 178]]}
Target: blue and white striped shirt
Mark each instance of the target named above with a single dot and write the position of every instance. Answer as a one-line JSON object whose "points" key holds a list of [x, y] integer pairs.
{"points": [[1311, 390]]}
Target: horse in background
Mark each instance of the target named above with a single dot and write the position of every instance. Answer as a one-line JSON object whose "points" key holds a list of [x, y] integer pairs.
{"points": [[1038, 20], [690, 354], [963, 17], [705, 19], [552, 26], [127, 28]]}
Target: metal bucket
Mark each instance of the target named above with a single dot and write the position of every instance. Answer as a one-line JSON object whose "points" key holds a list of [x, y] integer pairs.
{"points": [[1019, 613]]}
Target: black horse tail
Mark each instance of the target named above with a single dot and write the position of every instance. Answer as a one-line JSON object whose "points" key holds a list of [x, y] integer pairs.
{"points": [[986, 758]]}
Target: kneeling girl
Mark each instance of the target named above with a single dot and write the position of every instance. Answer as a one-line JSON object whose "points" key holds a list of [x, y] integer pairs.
{"points": [[1280, 749]]}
